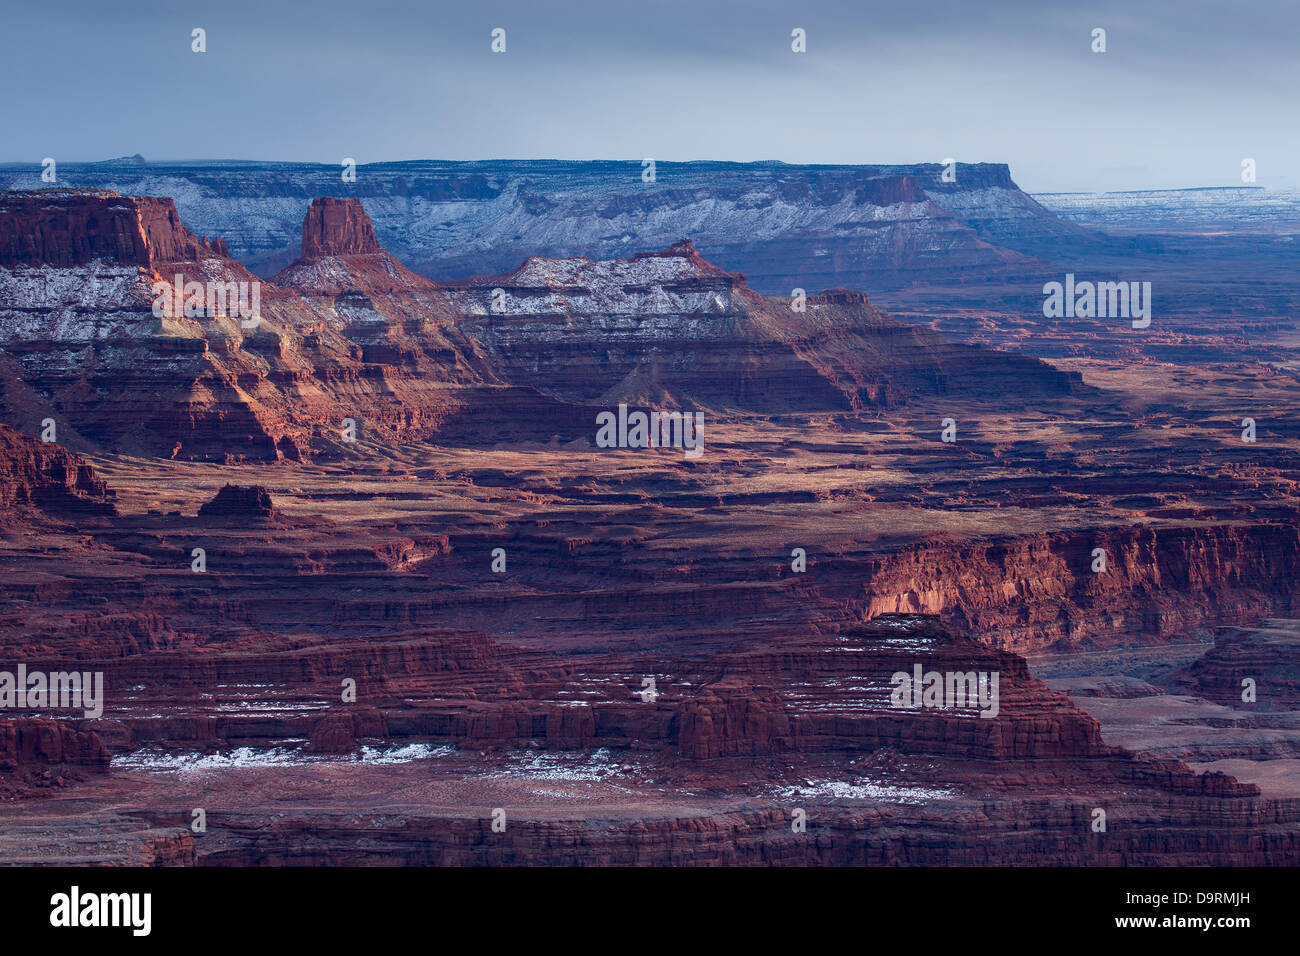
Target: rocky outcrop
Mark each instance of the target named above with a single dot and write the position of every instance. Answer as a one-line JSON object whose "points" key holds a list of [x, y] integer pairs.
{"points": [[82, 342], [43, 476], [338, 732], [442, 382], [239, 502], [807, 696], [85, 341], [1253, 669], [337, 227]]}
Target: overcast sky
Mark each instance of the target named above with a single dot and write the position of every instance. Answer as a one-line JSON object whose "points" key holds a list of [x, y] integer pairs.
{"points": [[1184, 92]]}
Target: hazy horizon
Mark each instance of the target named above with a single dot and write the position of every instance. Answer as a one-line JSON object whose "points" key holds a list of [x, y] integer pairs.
{"points": [[149, 161]]}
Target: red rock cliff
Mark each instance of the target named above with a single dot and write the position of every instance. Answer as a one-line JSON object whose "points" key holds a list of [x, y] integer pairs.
{"points": [[34, 473], [337, 227], [66, 228]]}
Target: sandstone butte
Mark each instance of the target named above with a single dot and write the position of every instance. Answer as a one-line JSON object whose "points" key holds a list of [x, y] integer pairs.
{"points": [[368, 561]]}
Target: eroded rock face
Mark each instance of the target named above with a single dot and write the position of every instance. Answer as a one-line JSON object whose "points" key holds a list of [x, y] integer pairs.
{"points": [[39, 754], [337, 227], [41, 741], [1031, 592], [668, 327], [430, 379], [41, 475], [67, 228], [814, 695]]}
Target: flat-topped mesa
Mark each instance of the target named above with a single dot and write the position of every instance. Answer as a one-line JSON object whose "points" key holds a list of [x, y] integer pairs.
{"points": [[66, 228], [675, 280], [337, 227], [670, 325], [681, 249], [967, 176]]}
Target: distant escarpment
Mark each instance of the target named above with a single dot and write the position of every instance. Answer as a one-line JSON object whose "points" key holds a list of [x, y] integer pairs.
{"points": [[786, 226]]}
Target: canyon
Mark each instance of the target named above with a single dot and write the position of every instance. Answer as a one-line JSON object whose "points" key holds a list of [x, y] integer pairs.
{"points": [[426, 595]]}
